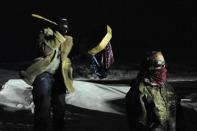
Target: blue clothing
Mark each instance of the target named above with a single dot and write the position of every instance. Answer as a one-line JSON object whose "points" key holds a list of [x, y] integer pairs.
{"points": [[49, 91]]}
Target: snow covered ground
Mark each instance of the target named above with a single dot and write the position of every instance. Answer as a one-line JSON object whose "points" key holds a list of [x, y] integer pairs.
{"points": [[94, 106]]}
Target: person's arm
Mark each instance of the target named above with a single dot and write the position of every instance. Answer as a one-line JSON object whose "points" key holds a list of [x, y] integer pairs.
{"points": [[137, 111], [49, 41], [45, 38]]}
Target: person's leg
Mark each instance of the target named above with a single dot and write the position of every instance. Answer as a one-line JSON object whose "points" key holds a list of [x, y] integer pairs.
{"points": [[58, 112], [58, 103], [42, 88]]}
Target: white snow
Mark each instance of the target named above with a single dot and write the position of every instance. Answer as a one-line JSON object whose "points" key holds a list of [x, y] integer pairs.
{"points": [[17, 94]]}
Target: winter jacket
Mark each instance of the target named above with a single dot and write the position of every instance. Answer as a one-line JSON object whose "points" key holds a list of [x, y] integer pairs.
{"points": [[54, 45], [151, 107]]}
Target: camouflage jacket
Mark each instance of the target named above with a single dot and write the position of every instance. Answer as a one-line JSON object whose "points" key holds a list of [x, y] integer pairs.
{"points": [[151, 108]]}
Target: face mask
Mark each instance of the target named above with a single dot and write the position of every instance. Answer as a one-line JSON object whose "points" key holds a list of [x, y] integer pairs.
{"points": [[158, 76]]}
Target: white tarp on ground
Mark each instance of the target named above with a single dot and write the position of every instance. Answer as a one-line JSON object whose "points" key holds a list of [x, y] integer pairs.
{"points": [[16, 94]]}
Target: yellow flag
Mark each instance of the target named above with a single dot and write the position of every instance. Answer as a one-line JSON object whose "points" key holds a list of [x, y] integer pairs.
{"points": [[103, 42]]}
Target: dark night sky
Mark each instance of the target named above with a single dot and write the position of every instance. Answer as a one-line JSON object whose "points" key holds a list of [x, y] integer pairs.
{"points": [[137, 26]]}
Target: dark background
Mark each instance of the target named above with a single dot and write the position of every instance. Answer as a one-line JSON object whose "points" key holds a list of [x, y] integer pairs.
{"points": [[137, 27]]}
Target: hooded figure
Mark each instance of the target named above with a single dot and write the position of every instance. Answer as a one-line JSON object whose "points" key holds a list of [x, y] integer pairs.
{"points": [[151, 101]]}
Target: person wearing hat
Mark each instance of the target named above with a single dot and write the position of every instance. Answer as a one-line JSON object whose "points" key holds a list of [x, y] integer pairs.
{"points": [[151, 100], [51, 76]]}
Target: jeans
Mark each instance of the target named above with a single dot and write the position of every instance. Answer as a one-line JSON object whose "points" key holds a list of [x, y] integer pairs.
{"points": [[49, 93]]}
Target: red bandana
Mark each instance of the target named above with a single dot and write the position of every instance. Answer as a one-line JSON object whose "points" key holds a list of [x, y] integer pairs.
{"points": [[158, 76]]}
